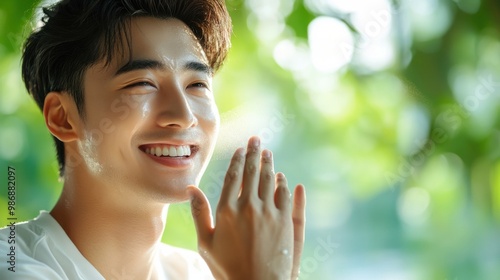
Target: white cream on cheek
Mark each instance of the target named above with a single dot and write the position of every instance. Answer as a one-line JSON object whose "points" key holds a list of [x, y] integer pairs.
{"points": [[210, 119], [145, 110]]}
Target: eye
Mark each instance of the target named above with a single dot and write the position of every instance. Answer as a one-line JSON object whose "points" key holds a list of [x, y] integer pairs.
{"points": [[199, 85], [141, 84], [140, 87]]}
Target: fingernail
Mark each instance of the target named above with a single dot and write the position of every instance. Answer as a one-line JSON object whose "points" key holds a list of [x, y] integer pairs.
{"points": [[256, 142], [266, 154]]}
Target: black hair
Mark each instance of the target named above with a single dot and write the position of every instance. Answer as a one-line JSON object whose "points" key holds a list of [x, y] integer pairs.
{"points": [[78, 33]]}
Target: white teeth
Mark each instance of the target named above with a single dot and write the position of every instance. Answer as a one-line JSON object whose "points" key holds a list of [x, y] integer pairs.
{"points": [[173, 151], [165, 151], [187, 150], [179, 150], [170, 151]]}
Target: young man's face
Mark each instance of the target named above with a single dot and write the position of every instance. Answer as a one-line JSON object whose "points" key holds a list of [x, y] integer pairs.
{"points": [[151, 122]]}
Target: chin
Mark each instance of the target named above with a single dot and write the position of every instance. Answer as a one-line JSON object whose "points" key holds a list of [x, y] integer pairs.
{"points": [[171, 192]]}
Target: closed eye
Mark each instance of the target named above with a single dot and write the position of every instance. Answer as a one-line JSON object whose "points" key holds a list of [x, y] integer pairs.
{"points": [[140, 88], [141, 84], [199, 85]]}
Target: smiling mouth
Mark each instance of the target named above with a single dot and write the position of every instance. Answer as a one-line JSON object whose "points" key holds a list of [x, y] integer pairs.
{"points": [[170, 151]]}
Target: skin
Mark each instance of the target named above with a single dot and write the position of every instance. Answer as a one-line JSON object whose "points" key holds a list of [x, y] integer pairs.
{"points": [[111, 184]]}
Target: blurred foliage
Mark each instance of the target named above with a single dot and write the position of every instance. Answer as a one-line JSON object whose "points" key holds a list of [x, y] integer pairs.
{"points": [[388, 112]]}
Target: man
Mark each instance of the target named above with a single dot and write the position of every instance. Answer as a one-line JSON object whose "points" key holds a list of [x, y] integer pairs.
{"points": [[125, 89]]}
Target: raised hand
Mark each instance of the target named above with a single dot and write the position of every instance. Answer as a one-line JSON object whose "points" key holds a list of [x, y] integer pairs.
{"points": [[259, 231]]}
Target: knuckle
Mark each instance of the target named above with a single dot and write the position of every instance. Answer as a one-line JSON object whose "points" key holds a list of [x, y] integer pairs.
{"points": [[252, 151], [282, 182], [225, 212], [237, 159], [196, 205], [267, 160], [231, 176], [283, 189], [267, 176], [298, 221], [251, 168]]}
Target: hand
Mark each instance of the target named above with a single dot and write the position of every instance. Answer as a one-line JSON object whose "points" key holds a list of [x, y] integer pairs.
{"points": [[258, 234]]}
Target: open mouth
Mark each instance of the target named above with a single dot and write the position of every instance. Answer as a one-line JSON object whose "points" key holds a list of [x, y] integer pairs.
{"points": [[170, 151]]}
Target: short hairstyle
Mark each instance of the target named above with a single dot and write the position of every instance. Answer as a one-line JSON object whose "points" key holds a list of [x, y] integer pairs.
{"points": [[79, 33]]}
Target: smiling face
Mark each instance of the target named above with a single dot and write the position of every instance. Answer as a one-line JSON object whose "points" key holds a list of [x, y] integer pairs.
{"points": [[150, 118]]}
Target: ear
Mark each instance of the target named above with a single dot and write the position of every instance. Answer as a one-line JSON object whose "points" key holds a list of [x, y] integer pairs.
{"points": [[61, 116]]}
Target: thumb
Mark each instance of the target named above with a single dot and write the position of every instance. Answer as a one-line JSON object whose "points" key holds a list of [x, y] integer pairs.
{"points": [[202, 216]]}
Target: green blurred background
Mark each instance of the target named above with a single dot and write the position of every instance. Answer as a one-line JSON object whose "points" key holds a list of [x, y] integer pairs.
{"points": [[388, 112]]}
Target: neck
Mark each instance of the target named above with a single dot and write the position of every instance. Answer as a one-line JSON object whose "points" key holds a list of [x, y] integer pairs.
{"points": [[116, 232]]}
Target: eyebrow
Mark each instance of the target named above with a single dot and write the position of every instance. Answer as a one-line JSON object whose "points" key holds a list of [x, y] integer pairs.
{"points": [[142, 64], [198, 67]]}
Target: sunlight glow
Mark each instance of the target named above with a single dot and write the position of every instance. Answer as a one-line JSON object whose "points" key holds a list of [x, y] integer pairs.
{"points": [[413, 205], [329, 40]]}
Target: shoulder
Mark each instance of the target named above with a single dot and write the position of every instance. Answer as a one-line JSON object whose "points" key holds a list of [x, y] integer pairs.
{"points": [[18, 265], [20, 242], [179, 263], [40, 249], [23, 237]]}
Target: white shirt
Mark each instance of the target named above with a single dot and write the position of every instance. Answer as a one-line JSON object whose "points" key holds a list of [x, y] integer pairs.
{"points": [[44, 251]]}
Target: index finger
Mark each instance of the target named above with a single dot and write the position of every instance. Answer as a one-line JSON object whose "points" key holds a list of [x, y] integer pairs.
{"points": [[233, 179]]}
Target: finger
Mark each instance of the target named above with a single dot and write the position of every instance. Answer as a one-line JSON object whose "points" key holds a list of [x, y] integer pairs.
{"points": [[299, 222], [251, 170], [282, 194], [202, 216], [233, 179], [266, 182]]}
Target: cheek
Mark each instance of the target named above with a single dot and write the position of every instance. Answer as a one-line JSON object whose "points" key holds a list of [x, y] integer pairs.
{"points": [[111, 123], [208, 117], [120, 114]]}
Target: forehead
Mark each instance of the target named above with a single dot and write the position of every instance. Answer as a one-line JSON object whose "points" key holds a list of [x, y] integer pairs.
{"points": [[166, 36], [169, 41]]}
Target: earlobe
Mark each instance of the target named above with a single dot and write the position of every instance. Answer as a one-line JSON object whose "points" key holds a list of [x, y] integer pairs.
{"points": [[57, 111]]}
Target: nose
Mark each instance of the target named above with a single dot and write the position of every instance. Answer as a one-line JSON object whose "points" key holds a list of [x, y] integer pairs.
{"points": [[174, 108]]}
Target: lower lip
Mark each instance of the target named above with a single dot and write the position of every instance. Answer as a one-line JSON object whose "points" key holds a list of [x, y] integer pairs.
{"points": [[173, 162]]}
